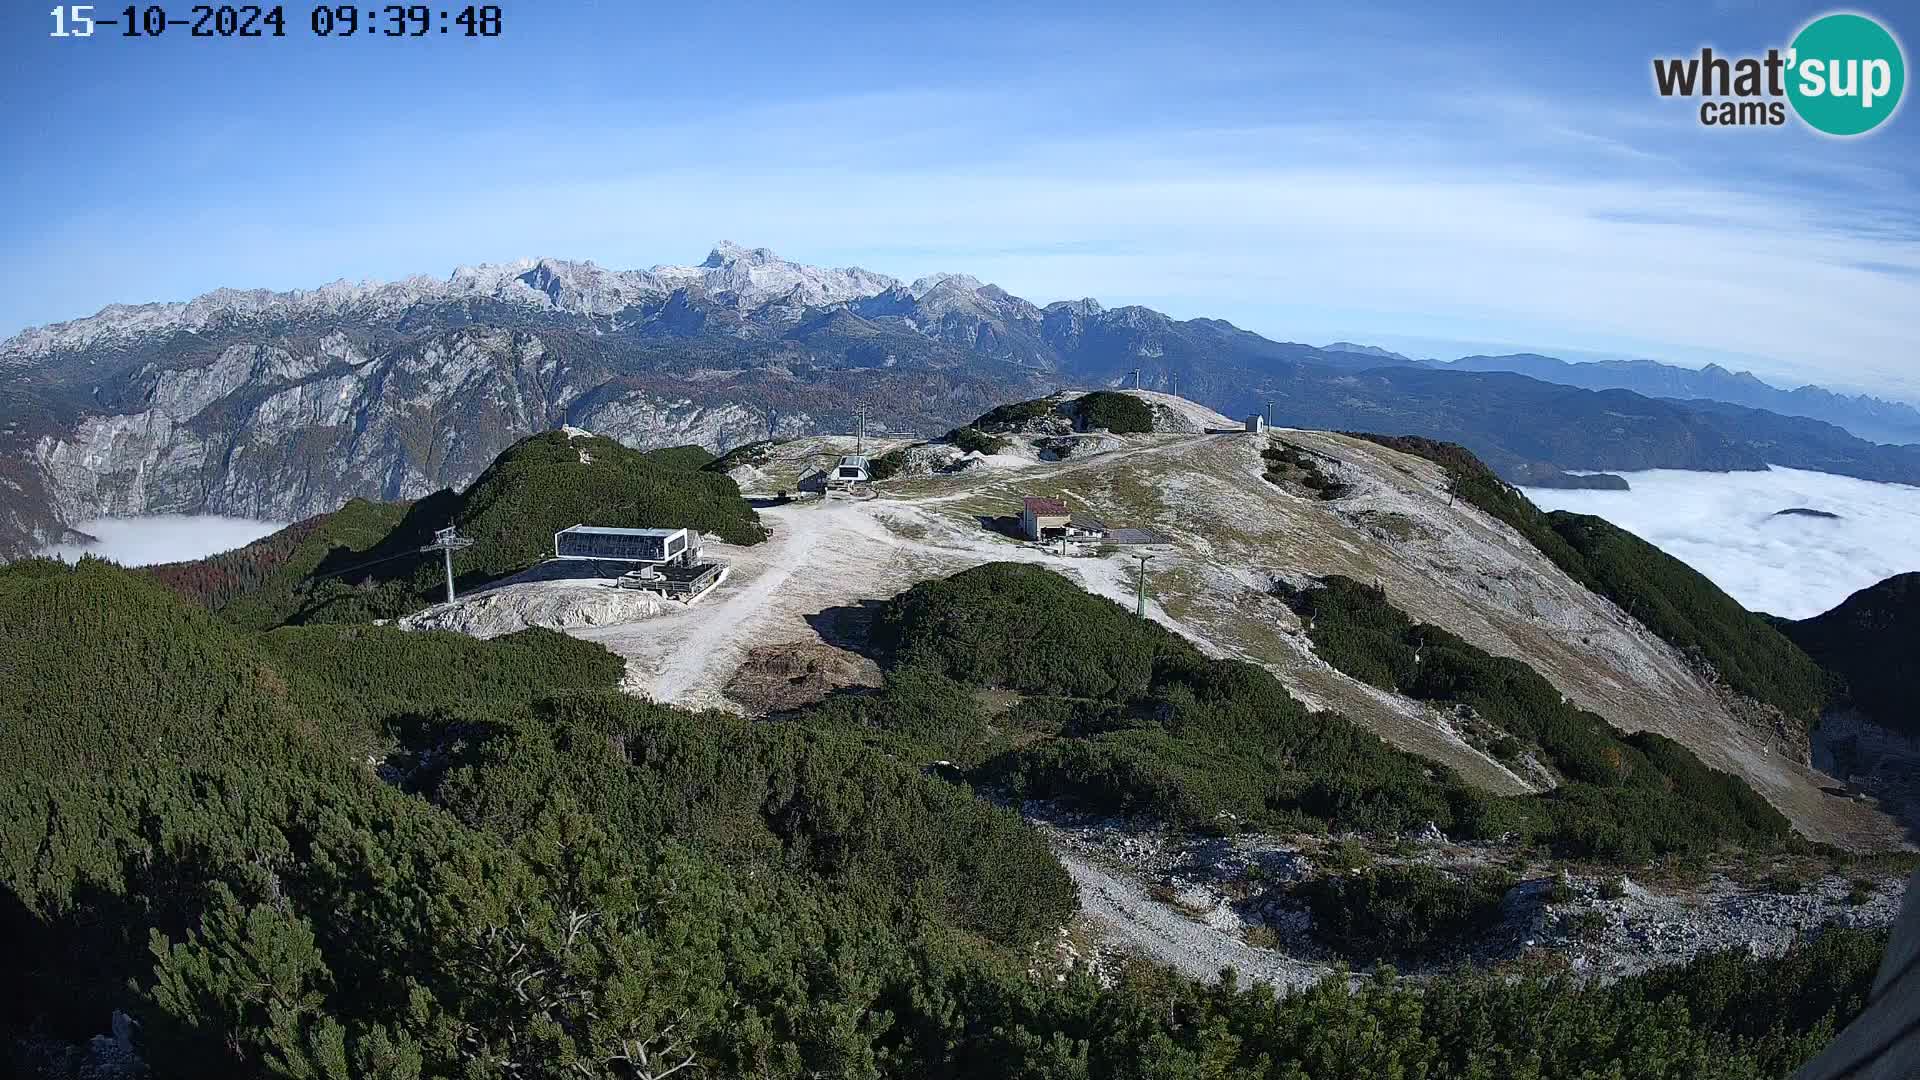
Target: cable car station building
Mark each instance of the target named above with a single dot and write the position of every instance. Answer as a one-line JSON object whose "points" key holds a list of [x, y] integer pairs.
{"points": [[669, 561], [660, 547]]}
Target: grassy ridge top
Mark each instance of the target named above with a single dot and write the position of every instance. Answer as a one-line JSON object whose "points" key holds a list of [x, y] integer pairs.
{"points": [[1119, 413], [1669, 597]]}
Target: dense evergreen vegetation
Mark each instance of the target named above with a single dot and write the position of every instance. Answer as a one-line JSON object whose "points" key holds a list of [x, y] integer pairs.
{"points": [[974, 441], [1287, 462], [1871, 641], [639, 868], [1403, 912], [544, 878], [887, 465], [1122, 414], [1119, 413], [257, 586], [1668, 596], [688, 458], [1013, 415], [1131, 719]]}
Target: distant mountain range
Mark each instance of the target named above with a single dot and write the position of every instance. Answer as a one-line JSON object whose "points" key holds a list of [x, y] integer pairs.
{"points": [[1870, 418], [282, 405]]}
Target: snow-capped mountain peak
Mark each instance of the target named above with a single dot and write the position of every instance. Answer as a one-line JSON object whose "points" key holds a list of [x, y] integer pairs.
{"points": [[745, 278], [963, 282], [752, 277]]}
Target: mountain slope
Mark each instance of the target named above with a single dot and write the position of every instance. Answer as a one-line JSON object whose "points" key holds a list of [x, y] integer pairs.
{"points": [[1668, 596], [1872, 640], [286, 405], [550, 879], [1232, 531]]}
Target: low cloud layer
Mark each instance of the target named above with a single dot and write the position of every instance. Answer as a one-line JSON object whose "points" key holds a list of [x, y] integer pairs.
{"points": [[1724, 525], [164, 538]]}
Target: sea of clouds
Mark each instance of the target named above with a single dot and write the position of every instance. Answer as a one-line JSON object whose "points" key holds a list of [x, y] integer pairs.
{"points": [[1724, 525], [143, 541]]}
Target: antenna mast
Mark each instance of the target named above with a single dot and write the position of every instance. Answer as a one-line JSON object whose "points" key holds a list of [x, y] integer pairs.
{"points": [[446, 542]]}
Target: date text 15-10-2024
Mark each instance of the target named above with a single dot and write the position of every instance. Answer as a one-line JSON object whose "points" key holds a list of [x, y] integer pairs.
{"points": [[255, 21]]}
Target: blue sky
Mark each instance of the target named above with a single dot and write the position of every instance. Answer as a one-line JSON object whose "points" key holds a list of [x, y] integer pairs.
{"points": [[1495, 177]]}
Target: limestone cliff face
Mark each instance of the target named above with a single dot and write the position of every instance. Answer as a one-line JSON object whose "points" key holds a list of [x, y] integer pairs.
{"points": [[266, 431]]}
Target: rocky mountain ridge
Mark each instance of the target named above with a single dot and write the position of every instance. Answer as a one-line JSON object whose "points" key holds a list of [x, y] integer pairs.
{"points": [[282, 405], [1868, 417], [745, 278]]}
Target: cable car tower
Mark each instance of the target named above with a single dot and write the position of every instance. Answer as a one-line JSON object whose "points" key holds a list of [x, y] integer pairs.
{"points": [[1141, 611], [446, 542], [860, 426]]}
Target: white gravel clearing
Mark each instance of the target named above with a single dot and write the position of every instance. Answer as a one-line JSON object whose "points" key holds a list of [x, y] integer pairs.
{"points": [[1121, 908]]}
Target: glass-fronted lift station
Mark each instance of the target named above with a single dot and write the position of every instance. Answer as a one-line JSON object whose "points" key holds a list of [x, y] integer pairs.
{"points": [[657, 546]]}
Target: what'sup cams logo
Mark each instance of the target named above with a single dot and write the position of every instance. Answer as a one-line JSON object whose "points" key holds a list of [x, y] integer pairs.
{"points": [[1842, 75]]}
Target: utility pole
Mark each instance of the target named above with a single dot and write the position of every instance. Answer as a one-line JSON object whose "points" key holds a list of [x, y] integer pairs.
{"points": [[860, 428], [447, 542], [1141, 587]]}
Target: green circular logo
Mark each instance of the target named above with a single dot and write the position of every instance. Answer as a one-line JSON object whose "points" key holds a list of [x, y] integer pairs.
{"points": [[1846, 73]]}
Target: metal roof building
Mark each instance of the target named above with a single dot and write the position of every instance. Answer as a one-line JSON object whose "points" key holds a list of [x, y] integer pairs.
{"points": [[626, 545], [852, 469]]}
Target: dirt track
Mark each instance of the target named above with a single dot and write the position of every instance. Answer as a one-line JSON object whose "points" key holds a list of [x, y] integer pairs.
{"points": [[1232, 533]]}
